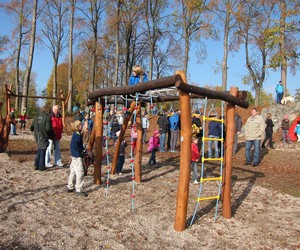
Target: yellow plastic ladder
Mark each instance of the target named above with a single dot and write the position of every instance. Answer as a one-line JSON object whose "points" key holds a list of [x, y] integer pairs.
{"points": [[204, 160]]}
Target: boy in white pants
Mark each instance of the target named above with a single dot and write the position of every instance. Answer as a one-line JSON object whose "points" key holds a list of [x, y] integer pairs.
{"points": [[76, 167]]}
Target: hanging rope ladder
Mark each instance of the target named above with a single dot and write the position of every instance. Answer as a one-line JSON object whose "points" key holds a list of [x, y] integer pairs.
{"points": [[204, 160]]}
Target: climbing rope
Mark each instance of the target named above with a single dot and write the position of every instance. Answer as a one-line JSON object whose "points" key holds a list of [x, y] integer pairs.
{"points": [[221, 159], [197, 108], [133, 127], [212, 110], [108, 165]]}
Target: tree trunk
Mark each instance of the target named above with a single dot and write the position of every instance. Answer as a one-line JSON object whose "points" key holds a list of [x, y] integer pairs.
{"points": [[30, 57], [117, 42], [70, 71], [225, 51], [282, 45], [54, 90], [18, 55], [186, 54]]}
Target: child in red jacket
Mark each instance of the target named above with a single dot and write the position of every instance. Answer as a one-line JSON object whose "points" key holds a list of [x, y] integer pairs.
{"points": [[195, 159]]}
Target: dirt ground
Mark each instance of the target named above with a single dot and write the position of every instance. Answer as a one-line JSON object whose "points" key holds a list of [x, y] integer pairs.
{"points": [[38, 213]]}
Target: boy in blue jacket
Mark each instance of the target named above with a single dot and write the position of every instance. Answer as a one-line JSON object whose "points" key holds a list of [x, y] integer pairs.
{"points": [[76, 167]]}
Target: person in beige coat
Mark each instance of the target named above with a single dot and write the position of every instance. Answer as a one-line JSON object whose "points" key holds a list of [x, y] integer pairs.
{"points": [[254, 133]]}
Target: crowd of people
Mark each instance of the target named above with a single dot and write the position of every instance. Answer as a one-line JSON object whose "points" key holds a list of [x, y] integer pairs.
{"points": [[48, 129]]}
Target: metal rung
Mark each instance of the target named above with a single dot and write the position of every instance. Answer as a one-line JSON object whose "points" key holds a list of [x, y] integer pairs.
{"points": [[213, 119], [208, 198], [211, 179], [212, 139], [212, 159]]}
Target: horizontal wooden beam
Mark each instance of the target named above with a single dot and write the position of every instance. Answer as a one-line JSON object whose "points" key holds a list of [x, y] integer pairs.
{"points": [[160, 83], [36, 97], [212, 94]]}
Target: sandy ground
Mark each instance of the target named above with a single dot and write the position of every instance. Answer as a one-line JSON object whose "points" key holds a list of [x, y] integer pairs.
{"points": [[38, 213]]}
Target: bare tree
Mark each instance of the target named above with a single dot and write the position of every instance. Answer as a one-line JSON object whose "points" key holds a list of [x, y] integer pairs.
{"points": [[91, 20], [54, 21], [255, 22], [19, 10], [154, 21], [285, 39], [224, 12], [27, 76], [191, 22]]}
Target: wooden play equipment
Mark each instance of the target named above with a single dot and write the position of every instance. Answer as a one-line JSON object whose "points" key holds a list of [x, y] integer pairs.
{"points": [[184, 93], [6, 121]]}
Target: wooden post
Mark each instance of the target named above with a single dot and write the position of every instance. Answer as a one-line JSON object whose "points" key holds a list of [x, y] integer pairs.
{"points": [[230, 131], [98, 142], [7, 99], [139, 146], [185, 158], [121, 136]]}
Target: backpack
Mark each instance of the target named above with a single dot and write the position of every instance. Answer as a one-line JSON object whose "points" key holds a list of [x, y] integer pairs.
{"points": [[174, 121]]}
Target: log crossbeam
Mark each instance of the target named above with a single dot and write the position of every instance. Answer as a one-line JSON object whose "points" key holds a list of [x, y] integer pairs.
{"points": [[161, 95]]}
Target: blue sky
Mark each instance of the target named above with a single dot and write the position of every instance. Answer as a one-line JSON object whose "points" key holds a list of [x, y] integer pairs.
{"points": [[202, 74]]}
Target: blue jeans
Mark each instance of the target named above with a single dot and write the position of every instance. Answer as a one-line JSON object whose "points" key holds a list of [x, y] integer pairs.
{"points": [[286, 136], [57, 154], [153, 156], [210, 147], [174, 138], [249, 145], [39, 161], [235, 143], [279, 98], [13, 129], [194, 167], [121, 161], [163, 137]]}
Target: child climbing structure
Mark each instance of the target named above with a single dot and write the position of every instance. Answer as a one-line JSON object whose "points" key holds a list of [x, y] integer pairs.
{"points": [[184, 93]]}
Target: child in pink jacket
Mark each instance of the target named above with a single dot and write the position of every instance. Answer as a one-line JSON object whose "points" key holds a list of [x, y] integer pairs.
{"points": [[153, 147]]}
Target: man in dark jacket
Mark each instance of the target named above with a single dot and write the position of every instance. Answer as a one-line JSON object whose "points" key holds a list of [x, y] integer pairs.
{"points": [[214, 132], [163, 124], [42, 129]]}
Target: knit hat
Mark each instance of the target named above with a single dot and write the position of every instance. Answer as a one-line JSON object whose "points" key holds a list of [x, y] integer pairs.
{"points": [[156, 132]]}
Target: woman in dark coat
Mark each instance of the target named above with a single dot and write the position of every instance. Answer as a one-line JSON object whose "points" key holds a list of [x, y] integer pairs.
{"points": [[269, 132], [42, 128]]}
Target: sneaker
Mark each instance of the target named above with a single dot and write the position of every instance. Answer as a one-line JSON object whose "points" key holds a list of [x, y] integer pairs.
{"points": [[254, 164], [83, 194], [196, 182], [70, 190], [120, 173], [248, 163]]}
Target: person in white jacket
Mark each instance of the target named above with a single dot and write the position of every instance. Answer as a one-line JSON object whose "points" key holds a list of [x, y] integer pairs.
{"points": [[145, 126], [254, 133]]}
